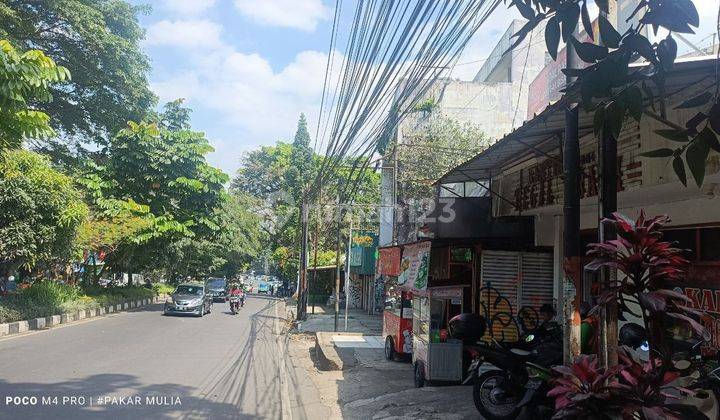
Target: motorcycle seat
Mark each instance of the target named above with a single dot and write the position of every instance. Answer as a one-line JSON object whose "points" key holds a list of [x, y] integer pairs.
{"points": [[520, 352]]}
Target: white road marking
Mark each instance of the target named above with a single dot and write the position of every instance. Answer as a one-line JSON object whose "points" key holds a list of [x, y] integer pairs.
{"points": [[282, 370]]}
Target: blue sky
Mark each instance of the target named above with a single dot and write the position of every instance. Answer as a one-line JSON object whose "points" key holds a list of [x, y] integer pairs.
{"points": [[248, 68]]}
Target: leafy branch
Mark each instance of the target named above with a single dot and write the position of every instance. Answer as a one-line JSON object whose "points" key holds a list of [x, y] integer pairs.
{"points": [[610, 88]]}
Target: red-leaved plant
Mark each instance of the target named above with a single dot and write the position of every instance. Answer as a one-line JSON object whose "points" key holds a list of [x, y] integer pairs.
{"points": [[630, 390], [633, 390], [645, 264]]}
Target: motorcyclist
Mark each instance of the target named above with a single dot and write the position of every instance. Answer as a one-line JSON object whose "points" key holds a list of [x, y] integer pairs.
{"points": [[237, 291], [549, 337]]}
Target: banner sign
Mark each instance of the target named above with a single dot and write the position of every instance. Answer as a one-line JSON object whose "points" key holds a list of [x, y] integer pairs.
{"points": [[356, 256], [415, 266], [389, 261]]}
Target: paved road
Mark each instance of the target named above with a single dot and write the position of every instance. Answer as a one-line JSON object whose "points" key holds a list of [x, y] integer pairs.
{"points": [[143, 364]]}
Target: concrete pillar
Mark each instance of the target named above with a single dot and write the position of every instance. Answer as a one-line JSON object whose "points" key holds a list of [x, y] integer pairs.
{"points": [[558, 274]]}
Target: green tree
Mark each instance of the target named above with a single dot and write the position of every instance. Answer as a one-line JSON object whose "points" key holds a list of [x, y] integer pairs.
{"points": [[99, 42], [226, 251], [163, 168], [40, 212], [264, 174], [25, 80], [301, 161], [614, 92], [427, 155]]}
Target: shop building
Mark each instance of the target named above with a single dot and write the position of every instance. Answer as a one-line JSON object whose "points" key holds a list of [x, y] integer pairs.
{"points": [[523, 175]]}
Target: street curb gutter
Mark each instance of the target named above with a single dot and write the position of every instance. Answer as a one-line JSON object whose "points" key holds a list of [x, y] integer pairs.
{"points": [[19, 327]]}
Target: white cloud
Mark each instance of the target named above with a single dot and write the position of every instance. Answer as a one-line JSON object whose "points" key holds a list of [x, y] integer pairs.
{"points": [[251, 102], [184, 33], [299, 14], [187, 7]]}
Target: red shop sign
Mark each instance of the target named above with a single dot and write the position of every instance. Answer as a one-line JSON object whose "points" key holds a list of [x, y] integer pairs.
{"points": [[389, 261]]}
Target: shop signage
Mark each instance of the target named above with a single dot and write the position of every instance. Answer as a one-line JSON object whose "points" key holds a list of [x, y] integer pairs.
{"points": [[389, 261], [541, 185], [703, 290], [415, 266], [363, 240], [356, 256]]}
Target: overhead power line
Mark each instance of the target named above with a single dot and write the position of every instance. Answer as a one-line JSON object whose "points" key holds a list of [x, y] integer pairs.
{"points": [[395, 52]]}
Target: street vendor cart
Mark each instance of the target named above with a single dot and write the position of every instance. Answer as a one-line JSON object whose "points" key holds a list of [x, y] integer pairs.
{"points": [[436, 357], [397, 316], [397, 324]]}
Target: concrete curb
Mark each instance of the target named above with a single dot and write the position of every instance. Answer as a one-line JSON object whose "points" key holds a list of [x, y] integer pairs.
{"points": [[327, 354], [19, 327]]}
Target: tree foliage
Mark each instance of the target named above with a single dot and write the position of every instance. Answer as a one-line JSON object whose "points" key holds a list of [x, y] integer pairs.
{"points": [[427, 155], [279, 176], [25, 80], [155, 198], [608, 85], [98, 41], [40, 212]]}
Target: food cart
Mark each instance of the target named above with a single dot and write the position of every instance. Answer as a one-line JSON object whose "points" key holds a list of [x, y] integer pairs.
{"points": [[397, 324], [436, 357], [397, 316]]}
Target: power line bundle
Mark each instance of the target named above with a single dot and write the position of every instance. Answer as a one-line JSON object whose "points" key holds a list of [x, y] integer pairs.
{"points": [[395, 52]]}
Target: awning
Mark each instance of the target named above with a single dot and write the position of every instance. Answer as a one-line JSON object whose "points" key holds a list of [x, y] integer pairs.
{"points": [[542, 134]]}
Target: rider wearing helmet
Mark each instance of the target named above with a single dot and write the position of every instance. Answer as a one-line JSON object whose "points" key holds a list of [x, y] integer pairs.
{"points": [[632, 335]]}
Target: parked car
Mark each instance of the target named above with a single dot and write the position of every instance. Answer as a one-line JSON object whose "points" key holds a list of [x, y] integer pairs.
{"points": [[217, 288], [189, 298]]}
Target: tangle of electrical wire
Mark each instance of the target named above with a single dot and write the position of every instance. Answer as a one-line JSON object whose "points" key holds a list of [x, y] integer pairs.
{"points": [[395, 52]]}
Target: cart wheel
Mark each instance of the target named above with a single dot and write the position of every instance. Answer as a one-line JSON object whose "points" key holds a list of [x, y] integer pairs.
{"points": [[419, 375], [389, 348]]}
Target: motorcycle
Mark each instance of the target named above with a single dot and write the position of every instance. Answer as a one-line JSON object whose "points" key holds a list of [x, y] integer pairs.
{"points": [[519, 380], [235, 304]]}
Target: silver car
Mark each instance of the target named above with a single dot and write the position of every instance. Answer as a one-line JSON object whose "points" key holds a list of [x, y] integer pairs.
{"points": [[190, 299]]}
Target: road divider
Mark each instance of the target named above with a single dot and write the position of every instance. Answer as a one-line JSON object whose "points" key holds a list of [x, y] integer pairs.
{"points": [[19, 327]]}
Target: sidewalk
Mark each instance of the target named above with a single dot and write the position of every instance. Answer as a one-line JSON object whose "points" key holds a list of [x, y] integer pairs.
{"points": [[358, 321], [354, 379], [375, 388]]}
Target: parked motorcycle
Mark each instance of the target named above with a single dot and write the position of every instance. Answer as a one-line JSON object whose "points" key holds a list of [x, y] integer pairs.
{"points": [[518, 379]]}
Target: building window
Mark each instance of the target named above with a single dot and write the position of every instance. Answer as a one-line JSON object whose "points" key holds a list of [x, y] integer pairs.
{"points": [[685, 239], [478, 188], [710, 244], [453, 189], [703, 244]]}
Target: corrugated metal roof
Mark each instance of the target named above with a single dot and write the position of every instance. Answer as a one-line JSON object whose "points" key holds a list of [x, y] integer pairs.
{"points": [[542, 134]]}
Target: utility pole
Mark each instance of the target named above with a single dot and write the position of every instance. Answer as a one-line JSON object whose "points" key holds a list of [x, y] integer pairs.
{"points": [[315, 246], [302, 283], [571, 233], [347, 270], [607, 204], [337, 263]]}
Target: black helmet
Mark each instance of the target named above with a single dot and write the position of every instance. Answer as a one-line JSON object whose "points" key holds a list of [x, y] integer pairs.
{"points": [[547, 309], [632, 335], [468, 327]]}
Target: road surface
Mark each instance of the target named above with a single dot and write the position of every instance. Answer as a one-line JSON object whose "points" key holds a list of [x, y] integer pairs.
{"points": [[141, 364]]}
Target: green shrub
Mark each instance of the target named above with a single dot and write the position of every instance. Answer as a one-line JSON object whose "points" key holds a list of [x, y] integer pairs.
{"points": [[49, 298], [49, 293], [163, 288]]}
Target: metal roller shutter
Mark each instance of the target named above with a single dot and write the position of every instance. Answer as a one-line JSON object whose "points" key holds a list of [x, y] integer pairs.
{"points": [[536, 287], [500, 271]]}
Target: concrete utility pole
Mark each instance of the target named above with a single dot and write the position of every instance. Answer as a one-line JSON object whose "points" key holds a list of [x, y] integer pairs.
{"points": [[347, 270], [337, 264], [571, 234], [302, 283], [607, 204]]}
